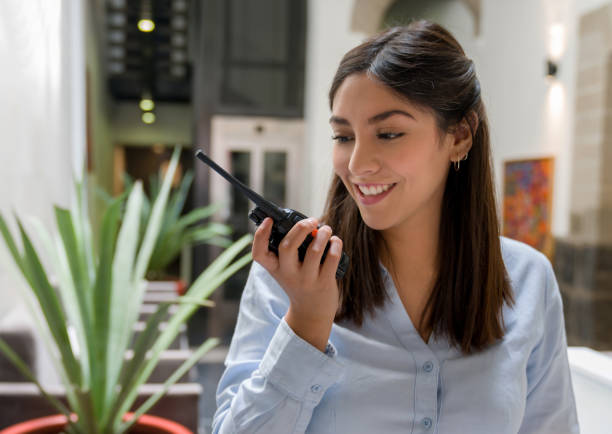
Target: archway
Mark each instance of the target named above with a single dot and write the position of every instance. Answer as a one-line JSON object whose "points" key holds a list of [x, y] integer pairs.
{"points": [[369, 16]]}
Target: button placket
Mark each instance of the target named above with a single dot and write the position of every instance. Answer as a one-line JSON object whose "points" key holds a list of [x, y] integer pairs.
{"points": [[425, 376], [427, 389]]}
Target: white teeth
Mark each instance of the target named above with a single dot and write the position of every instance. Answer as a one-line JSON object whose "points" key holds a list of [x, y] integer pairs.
{"points": [[374, 190]]}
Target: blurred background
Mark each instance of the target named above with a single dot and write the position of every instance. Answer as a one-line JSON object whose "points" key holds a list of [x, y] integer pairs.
{"points": [[102, 90]]}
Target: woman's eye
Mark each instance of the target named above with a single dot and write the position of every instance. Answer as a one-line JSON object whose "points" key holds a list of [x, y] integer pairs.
{"points": [[341, 139], [389, 136]]}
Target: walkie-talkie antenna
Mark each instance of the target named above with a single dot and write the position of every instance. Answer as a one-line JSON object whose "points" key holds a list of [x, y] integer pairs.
{"points": [[264, 204]]}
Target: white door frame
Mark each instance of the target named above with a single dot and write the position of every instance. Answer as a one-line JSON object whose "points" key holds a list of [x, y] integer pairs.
{"points": [[256, 135]]}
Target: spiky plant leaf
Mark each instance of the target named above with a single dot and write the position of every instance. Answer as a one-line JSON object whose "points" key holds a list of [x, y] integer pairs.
{"points": [[100, 295], [22, 367], [182, 370], [215, 274]]}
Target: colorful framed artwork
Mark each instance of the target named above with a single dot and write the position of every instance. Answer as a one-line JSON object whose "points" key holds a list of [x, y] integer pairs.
{"points": [[527, 207]]}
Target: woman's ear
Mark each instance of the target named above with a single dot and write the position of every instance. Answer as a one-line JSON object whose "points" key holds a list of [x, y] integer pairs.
{"points": [[472, 120], [463, 134]]}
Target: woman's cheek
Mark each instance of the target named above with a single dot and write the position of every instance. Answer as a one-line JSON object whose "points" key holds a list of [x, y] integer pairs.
{"points": [[340, 159]]}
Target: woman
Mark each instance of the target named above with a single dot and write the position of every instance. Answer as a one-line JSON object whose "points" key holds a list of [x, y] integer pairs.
{"points": [[439, 325]]}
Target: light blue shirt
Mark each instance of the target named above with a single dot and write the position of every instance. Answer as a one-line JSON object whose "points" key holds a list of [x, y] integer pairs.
{"points": [[383, 378]]}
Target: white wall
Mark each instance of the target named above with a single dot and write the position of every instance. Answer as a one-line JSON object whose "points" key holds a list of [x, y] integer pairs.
{"points": [[455, 16], [530, 116], [328, 38], [41, 115]]}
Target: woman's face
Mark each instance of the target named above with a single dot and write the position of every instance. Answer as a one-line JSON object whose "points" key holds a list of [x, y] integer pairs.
{"points": [[389, 154]]}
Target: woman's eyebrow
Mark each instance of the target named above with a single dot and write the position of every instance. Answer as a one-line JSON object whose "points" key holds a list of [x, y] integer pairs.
{"points": [[338, 120], [376, 118], [384, 115]]}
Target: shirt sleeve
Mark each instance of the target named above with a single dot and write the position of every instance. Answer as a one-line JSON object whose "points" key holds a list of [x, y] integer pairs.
{"points": [[273, 379], [550, 406]]}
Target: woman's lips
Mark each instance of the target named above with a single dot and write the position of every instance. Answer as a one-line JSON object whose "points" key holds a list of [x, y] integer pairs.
{"points": [[372, 199]]}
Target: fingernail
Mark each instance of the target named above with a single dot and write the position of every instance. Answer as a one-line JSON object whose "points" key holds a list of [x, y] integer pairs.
{"points": [[335, 248]]}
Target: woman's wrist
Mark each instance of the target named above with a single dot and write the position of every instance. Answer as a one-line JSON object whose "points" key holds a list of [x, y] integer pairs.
{"points": [[315, 332]]}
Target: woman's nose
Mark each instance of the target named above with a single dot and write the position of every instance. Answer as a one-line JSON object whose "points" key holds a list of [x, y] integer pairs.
{"points": [[363, 159]]}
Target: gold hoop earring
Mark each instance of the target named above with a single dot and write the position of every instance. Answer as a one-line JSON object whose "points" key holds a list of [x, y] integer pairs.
{"points": [[466, 155]]}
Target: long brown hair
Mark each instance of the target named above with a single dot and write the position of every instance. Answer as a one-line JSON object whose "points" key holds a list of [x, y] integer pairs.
{"points": [[424, 63]]}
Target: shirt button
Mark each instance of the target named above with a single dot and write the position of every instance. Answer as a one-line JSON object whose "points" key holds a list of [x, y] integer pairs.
{"points": [[427, 423], [428, 366], [315, 388]]}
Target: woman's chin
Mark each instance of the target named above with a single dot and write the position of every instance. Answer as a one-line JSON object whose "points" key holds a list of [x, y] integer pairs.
{"points": [[375, 223]]}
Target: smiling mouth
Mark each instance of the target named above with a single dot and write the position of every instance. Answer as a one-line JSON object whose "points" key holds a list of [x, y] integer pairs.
{"points": [[369, 190]]}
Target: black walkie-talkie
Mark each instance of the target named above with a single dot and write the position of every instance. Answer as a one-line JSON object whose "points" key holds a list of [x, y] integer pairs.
{"points": [[284, 218]]}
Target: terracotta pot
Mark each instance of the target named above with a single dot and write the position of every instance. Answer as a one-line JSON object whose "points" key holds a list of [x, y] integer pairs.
{"points": [[169, 283], [55, 424]]}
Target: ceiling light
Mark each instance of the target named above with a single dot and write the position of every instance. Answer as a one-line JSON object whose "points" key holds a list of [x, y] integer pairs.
{"points": [[116, 67], [116, 19], [179, 22], [116, 51], [179, 5], [145, 22], [178, 70], [178, 40], [146, 25], [148, 117], [118, 4], [146, 104], [178, 56], [116, 36]]}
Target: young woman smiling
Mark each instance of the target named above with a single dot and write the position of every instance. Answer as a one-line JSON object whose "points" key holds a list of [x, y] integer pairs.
{"points": [[439, 325]]}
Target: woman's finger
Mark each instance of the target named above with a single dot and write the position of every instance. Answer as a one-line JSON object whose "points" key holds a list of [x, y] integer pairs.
{"points": [[332, 259], [260, 250], [312, 260], [288, 248]]}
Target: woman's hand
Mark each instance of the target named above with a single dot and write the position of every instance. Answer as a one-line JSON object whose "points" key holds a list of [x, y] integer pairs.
{"points": [[311, 286]]}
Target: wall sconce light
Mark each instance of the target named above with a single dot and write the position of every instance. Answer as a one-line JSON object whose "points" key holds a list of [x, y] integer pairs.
{"points": [[552, 68], [556, 47]]}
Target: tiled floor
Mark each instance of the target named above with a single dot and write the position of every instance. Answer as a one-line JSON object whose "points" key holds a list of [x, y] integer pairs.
{"points": [[208, 376], [209, 371]]}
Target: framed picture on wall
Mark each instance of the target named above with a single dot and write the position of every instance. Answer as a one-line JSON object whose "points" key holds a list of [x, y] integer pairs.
{"points": [[527, 206]]}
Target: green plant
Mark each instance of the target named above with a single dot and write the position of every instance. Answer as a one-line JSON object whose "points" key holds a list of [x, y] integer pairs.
{"points": [[176, 231], [179, 231], [99, 296]]}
